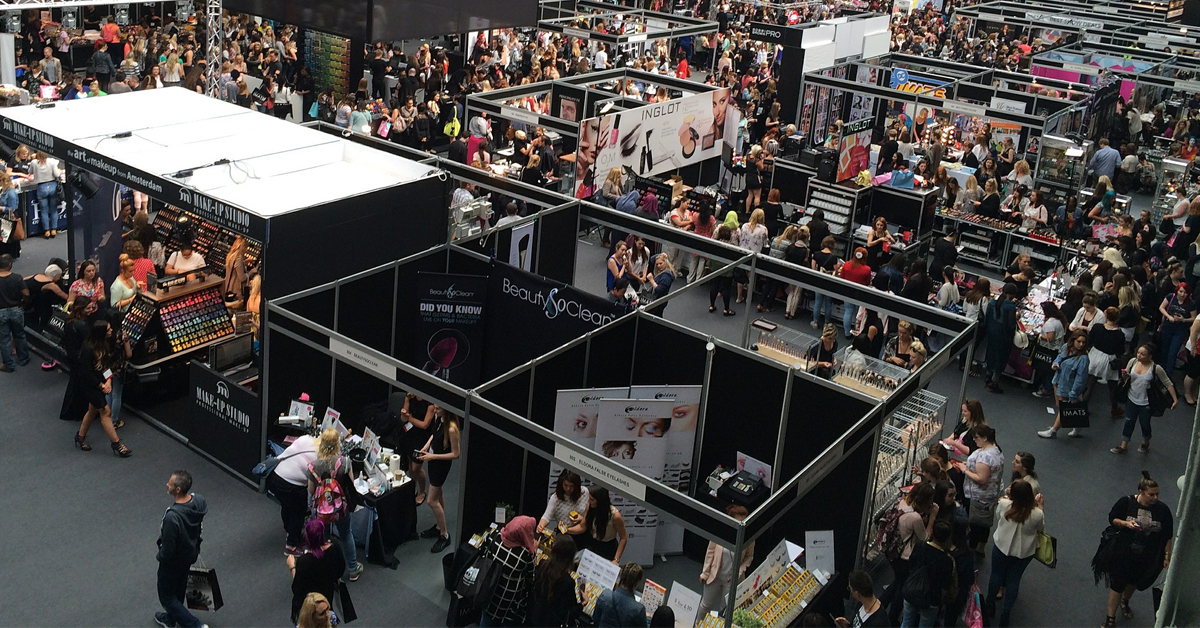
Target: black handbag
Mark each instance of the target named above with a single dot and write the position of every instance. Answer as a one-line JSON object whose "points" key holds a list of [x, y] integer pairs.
{"points": [[1160, 397], [1114, 547], [1043, 356], [1075, 414]]}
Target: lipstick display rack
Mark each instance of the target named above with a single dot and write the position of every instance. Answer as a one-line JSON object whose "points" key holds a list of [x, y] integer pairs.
{"points": [[164, 323], [211, 241]]}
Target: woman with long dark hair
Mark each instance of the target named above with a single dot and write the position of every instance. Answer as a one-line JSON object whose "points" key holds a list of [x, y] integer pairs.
{"points": [[1070, 378], [1015, 542], [1178, 311], [568, 506], [553, 601], [418, 413], [606, 527], [441, 450], [984, 477], [1141, 373], [95, 384]]}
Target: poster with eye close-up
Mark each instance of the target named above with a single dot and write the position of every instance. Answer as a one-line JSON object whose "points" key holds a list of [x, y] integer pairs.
{"points": [[681, 444], [575, 417], [651, 139], [633, 432]]}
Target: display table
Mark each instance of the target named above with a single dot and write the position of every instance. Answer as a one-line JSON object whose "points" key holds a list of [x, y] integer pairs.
{"points": [[959, 173], [396, 523]]}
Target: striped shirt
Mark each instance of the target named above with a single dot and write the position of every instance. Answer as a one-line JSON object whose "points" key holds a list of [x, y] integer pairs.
{"points": [[510, 599]]}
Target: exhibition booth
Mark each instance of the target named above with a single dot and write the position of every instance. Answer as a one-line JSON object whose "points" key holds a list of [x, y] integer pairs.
{"points": [[524, 396], [311, 207]]}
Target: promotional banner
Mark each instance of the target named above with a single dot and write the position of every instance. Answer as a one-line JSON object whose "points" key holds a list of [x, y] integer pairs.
{"points": [[449, 327], [681, 444], [653, 139], [96, 226], [225, 421], [633, 433], [557, 311], [854, 154], [575, 416], [905, 81]]}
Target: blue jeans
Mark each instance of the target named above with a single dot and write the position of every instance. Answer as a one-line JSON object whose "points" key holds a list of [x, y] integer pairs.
{"points": [[1135, 414], [12, 327], [114, 397], [915, 617], [849, 317], [1006, 572], [172, 585], [822, 308], [47, 200], [1173, 337], [346, 534]]}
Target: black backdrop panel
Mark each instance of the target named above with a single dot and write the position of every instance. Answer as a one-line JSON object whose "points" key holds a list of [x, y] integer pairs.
{"points": [[344, 17], [556, 244], [737, 419], [414, 19], [354, 389], [463, 264], [817, 417], [610, 355], [512, 394], [666, 355], [294, 368], [406, 298], [492, 464], [563, 371], [365, 310], [321, 244]]}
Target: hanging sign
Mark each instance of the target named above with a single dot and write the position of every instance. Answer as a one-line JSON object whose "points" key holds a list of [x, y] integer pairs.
{"points": [[448, 332]]}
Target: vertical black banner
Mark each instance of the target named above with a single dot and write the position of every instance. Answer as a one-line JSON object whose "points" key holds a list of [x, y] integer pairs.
{"points": [[448, 336], [225, 421]]}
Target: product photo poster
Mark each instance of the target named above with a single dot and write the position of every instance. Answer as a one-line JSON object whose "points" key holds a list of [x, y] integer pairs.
{"points": [[448, 334], [633, 432]]}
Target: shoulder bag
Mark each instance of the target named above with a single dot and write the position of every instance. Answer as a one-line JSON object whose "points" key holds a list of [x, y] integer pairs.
{"points": [[1114, 547], [267, 466], [1160, 397], [1047, 550], [1075, 414]]}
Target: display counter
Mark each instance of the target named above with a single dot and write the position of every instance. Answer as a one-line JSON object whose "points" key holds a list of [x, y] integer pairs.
{"points": [[992, 244], [953, 168]]}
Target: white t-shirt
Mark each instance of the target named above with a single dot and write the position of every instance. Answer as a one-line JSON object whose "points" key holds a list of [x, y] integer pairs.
{"points": [[600, 61], [294, 469], [186, 264]]}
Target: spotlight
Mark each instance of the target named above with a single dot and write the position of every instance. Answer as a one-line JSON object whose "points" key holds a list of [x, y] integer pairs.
{"points": [[84, 185]]}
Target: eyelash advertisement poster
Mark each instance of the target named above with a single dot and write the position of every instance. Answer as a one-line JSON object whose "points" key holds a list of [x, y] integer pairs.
{"points": [[681, 444], [633, 432], [575, 414], [655, 138]]}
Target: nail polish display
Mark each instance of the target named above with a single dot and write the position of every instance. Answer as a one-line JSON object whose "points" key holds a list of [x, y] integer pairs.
{"points": [[195, 319]]}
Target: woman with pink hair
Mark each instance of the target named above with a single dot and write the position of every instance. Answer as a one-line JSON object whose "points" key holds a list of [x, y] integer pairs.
{"points": [[317, 570], [514, 553]]}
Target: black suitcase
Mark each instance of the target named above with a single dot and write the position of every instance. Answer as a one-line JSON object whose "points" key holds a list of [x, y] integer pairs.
{"points": [[827, 169]]}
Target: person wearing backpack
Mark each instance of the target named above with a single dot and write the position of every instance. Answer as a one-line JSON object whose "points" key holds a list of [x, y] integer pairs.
{"points": [[1019, 519], [933, 582], [1000, 323], [903, 529], [333, 494]]}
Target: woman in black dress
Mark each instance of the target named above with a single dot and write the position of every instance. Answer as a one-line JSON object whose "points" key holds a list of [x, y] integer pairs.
{"points": [[440, 451], [822, 352], [418, 414], [94, 384]]}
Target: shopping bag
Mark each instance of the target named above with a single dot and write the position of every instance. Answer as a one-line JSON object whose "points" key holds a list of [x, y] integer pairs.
{"points": [[1047, 550], [203, 590], [6, 229], [1075, 414], [973, 613], [344, 605], [313, 110]]}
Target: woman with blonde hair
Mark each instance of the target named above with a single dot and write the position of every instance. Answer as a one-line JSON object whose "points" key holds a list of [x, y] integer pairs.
{"points": [[332, 465], [316, 612], [800, 254], [235, 271], [779, 248], [611, 188], [172, 70], [751, 235]]}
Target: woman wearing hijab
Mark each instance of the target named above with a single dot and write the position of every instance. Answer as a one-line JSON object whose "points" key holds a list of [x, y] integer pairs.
{"points": [[514, 552]]}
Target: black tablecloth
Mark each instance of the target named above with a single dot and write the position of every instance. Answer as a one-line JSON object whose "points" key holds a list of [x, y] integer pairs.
{"points": [[397, 523]]}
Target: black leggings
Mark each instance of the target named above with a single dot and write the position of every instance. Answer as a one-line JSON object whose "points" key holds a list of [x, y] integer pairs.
{"points": [[723, 285]]}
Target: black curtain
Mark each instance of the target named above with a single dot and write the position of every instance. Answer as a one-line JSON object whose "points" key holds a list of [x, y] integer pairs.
{"points": [[810, 432], [666, 355], [563, 371], [556, 244], [611, 355]]}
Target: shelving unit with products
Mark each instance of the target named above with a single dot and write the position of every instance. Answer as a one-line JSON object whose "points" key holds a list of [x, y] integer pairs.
{"points": [[840, 203], [163, 323], [1174, 183], [1062, 163], [866, 374], [328, 57], [209, 240], [785, 344]]}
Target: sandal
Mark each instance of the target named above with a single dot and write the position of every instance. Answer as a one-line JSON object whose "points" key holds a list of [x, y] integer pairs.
{"points": [[712, 308], [729, 313], [119, 424], [1109, 622], [1125, 610], [420, 499]]}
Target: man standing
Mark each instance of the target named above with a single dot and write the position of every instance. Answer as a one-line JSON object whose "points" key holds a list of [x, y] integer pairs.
{"points": [[229, 89], [1105, 161], [379, 71], [13, 295], [52, 73], [178, 548], [119, 86]]}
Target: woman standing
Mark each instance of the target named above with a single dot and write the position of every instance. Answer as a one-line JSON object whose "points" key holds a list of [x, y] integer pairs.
{"points": [[419, 414], [821, 355], [1147, 530], [95, 384], [606, 527], [704, 224], [618, 606], [988, 204], [330, 463], [857, 271], [779, 249], [1087, 316], [754, 182], [878, 239], [1070, 378], [663, 276], [317, 570], [514, 553], [89, 284], [1035, 214], [1142, 372], [1108, 344], [611, 188], [751, 235], [553, 601], [1023, 469], [618, 265], [1019, 520], [717, 572], [441, 450], [801, 255], [827, 262], [10, 208], [1051, 338], [568, 506], [125, 289], [235, 271], [45, 176], [1129, 313], [723, 284], [896, 351], [975, 305], [918, 512], [1001, 325], [1178, 312], [984, 477]]}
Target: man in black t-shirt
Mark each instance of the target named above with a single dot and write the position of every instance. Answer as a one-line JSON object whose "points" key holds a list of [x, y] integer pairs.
{"points": [[886, 151], [379, 71], [870, 612], [13, 295], [945, 253]]}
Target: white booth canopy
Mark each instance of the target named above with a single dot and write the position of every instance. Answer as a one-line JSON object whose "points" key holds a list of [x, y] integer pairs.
{"points": [[273, 166]]}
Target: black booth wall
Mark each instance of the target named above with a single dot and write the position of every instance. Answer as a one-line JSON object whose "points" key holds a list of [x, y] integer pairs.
{"points": [[556, 244], [322, 244], [817, 417]]}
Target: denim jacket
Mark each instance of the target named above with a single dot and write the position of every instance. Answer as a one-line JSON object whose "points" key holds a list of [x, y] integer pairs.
{"points": [[1071, 377]]}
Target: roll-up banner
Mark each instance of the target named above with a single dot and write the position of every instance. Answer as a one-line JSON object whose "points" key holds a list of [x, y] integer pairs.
{"points": [[633, 433], [653, 139], [576, 412], [449, 326], [681, 444]]}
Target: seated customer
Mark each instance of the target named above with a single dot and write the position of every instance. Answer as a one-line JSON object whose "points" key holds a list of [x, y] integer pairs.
{"points": [[185, 260]]}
